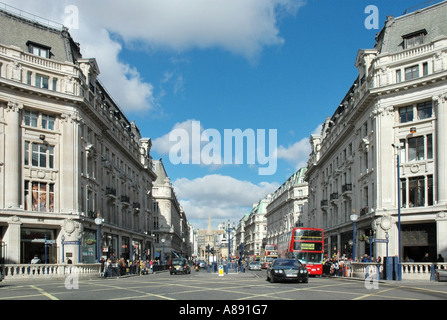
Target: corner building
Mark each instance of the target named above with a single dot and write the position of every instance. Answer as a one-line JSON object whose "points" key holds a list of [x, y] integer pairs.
{"points": [[68, 155], [392, 123]]}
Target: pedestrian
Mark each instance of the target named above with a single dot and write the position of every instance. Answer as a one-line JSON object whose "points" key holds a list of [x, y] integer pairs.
{"points": [[426, 258], [440, 258], [142, 271], [35, 260]]}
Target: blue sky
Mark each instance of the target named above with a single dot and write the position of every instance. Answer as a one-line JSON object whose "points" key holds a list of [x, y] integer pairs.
{"points": [[249, 64]]}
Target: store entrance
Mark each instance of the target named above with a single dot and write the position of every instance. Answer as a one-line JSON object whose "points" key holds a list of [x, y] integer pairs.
{"points": [[417, 240], [38, 242]]}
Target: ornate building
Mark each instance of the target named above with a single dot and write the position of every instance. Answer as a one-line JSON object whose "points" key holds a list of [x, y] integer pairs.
{"points": [[287, 207], [68, 155], [386, 144], [170, 226]]}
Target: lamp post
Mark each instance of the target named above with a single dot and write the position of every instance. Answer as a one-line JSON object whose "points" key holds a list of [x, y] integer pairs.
{"points": [[62, 245], [98, 222], [163, 251], [399, 263], [229, 228], [354, 217]]}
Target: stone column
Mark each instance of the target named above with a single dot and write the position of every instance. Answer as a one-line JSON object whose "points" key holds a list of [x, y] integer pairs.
{"points": [[12, 240], [441, 226], [13, 159], [440, 104]]}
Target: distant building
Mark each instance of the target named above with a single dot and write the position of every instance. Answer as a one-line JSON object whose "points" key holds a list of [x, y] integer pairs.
{"points": [[170, 225], [287, 207], [209, 243]]}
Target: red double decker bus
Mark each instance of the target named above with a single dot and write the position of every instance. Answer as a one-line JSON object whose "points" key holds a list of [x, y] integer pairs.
{"points": [[305, 245]]}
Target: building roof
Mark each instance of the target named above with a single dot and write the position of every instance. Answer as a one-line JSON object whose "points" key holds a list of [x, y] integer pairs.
{"points": [[19, 32], [432, 19]]}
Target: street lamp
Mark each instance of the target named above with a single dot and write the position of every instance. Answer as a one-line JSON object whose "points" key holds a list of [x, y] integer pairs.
{"points": [[98, 222], [62, 245], [354, 217], [399, 264], [163, 251], [229, 228]]}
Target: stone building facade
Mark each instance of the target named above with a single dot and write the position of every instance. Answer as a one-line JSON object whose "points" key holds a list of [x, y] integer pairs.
{"points": [[389, 128], [68, 155]]}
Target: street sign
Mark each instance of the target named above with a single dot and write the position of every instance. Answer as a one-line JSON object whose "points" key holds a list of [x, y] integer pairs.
{"points": [[221, 271], [70, 242], [381, 240]]}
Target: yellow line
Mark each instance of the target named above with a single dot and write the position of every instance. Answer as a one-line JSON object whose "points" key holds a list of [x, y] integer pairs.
{"points": [[46, 294]]}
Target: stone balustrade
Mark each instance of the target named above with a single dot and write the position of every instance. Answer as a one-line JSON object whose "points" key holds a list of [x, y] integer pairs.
{"points": [[47, 271], [410, 270]]}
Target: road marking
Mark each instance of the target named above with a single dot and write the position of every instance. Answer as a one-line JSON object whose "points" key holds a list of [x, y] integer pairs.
{"points": [[46, 294]]}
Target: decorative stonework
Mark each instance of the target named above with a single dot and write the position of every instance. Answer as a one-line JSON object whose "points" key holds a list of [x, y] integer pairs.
{"points": [[13, 106]]}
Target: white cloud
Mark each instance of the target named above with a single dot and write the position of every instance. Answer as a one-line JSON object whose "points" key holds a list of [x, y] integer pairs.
{"points": [[220, 196], [162, 145], [298, 153], [240, 27]]}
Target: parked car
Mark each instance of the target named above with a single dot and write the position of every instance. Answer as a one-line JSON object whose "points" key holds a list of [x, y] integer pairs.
{"points": [[254, 265], [179, 266], [287, 270]]}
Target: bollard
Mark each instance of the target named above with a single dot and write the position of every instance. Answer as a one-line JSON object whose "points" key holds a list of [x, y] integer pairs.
{"points": [[432, 273], [378, 272]]}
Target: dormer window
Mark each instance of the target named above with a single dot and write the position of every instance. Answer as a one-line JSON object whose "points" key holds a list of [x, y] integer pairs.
{"points": [[414, 39], [39, 49]]}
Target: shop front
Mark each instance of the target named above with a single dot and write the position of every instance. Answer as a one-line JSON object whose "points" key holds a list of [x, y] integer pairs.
{"points": [[110, 246], [137, 250], [89, 246], [40, 242]]}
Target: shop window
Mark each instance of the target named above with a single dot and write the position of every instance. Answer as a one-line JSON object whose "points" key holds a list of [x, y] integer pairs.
{"points": [[42, 196]]}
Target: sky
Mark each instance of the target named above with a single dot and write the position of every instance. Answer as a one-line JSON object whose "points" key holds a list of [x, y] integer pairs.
{"points": [[191, 73]]}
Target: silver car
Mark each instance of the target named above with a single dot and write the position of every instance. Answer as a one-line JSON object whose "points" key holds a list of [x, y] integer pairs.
{"points": [[254, 265]]}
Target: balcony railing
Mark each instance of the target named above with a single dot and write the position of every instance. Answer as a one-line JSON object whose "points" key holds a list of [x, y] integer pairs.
{"points": [[346, 187]]}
